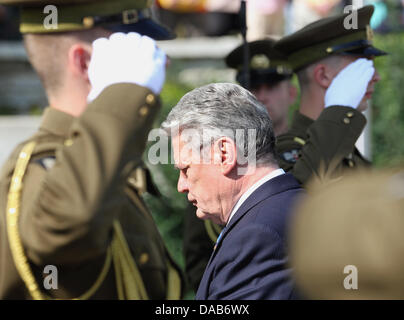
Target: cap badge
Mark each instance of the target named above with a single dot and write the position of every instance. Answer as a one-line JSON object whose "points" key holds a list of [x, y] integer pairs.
{"points": [[88, 22], [130, 16], [260, 61], [280, 70]]}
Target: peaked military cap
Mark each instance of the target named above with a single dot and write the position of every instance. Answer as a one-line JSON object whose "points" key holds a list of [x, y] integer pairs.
{"points": [[266, 64], [333, 35], [74, 15]]}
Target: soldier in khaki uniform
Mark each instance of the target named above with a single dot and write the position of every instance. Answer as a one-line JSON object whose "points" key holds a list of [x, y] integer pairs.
{"points": [[322, 137], [70, 195], [270, 81], [346, 240]]}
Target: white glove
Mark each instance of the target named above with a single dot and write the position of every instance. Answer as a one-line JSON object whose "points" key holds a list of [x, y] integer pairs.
{"points": [[349, 86], [126, 58]]}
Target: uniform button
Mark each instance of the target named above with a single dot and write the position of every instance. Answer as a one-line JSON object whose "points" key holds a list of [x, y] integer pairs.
{"points": [[143, 111], [347, 121], [88, 22], [150, 99], [350, 114], [144, 257], [68, 142]]}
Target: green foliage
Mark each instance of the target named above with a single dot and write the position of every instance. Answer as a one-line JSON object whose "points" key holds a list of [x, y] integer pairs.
{"points": [[388, 102]]}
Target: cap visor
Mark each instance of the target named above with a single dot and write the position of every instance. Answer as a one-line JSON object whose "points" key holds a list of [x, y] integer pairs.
{"points": [[146, 27], [367, 51], [372, 51], [269, 78]]}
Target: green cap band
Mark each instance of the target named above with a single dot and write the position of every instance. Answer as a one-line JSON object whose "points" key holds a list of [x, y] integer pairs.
{"points": [[307, 56]]}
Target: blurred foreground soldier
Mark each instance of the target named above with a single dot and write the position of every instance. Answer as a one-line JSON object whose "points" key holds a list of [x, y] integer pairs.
{"points": [[347, 238], [70, 195], [270, 79], [329, 120], [233, 179]]}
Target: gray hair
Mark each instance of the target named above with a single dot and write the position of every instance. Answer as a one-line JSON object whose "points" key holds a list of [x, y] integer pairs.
{"points": [[225, 109]]}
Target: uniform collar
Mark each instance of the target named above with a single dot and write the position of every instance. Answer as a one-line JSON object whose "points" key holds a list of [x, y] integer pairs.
{"points": [[56, 122], [300, 122]]}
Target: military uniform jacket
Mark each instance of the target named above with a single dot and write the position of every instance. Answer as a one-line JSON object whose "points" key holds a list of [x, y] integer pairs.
{"points": [[78, 181], [322, 148]]}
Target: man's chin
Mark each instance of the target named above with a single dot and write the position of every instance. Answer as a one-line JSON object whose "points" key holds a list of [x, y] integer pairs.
{"points": [[202, 215], [205, 216]]}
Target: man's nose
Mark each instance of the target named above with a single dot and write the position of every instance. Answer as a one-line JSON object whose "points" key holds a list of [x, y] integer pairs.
{"points": [[376, 77], [182, 185]]}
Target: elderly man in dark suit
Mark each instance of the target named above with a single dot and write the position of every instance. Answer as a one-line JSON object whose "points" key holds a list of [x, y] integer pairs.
{"points": [[223, 145]]}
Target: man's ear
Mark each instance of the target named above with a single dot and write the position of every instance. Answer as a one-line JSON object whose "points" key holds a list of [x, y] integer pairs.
{"points": [[322, 75], [227, 151], [79, 58]]}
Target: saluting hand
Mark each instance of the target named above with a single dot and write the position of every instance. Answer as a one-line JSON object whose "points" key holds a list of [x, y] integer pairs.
{"points": [[349, 87], [126, 58]]}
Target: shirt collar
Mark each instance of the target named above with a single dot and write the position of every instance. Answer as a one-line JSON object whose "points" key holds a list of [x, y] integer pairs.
{"points": [[56, 122], [254, 187]]}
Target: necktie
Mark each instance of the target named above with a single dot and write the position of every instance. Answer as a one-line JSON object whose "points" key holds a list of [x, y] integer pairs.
{"points": [[219, 238]]}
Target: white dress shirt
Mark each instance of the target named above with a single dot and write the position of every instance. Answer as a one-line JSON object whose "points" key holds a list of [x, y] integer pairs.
{"points": [[254, 187]]}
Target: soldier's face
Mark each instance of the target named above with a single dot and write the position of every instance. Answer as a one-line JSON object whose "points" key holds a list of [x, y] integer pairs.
{"points": [[371, 87], [277, 99], [201, 179]]}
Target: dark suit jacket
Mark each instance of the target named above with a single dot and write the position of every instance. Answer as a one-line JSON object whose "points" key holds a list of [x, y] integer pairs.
{"points": [[250, 260]]}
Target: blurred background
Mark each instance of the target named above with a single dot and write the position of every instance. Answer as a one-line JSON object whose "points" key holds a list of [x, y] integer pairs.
{"points": [[207, 30]]}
